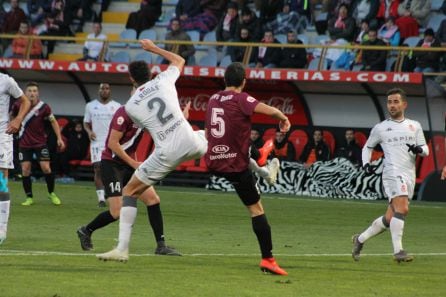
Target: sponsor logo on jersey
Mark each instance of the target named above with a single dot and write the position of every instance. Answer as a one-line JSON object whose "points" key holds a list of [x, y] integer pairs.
{"points": [[223, 156], [220, 149], [162, 135]]}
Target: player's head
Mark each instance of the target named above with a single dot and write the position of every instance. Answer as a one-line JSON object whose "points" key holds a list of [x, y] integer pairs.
{"points": [[139, 72], [32, 91], [104, 91], [235, 75], [396, 103]]}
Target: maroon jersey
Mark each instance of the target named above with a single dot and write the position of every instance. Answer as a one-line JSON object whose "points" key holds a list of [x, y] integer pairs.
{"points": [[130, 139], [228, 125], [32, 132]]}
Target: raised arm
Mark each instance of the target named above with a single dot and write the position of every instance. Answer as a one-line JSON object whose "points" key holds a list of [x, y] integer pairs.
{"points": [[174, 59], [284, 123]]}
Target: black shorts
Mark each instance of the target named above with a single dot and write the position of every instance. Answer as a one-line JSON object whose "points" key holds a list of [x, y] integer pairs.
{"points": [[245, 185], [114, 177], [41, 153]]}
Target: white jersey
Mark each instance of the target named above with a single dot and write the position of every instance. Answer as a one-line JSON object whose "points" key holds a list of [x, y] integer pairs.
{"points": [[8, 88], [393, 137], [99, 115], [155, 107]]}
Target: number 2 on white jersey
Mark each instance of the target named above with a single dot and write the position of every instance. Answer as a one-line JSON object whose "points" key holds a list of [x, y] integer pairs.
{"points": [[216, 119], [162, 118]]}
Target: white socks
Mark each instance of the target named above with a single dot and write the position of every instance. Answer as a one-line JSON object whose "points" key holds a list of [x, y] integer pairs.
{"points": [[262, 171], [126, 220], [374, 229], [396, 230], [4, 216], [101, 195]]}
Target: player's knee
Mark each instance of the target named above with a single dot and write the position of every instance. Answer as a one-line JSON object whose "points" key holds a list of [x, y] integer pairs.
{"points": [[115, 211]]}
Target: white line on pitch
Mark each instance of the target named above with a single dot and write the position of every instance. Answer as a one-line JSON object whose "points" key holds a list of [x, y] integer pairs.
{"points": [[49, 253]]}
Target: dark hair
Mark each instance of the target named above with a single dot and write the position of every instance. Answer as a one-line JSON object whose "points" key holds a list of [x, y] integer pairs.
{"points": [[429, 32], [32, 84], [397, 91], [140, 72], [246, 11], [234, 74]]}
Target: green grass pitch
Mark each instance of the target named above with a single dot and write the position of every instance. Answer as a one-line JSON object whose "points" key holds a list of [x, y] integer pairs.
{"points": [[312, 241]]}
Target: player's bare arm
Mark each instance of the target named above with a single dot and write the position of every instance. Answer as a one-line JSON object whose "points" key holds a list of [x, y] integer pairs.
{"points": [[88, 129], [113, 144], [174, 59], [284, 123], [56, 129], [14, 124]]}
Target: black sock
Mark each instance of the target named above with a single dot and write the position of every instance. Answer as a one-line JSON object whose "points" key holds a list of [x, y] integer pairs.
{"points": [[102, 220], [263, 232], [49, 178], [27, 186], [156, 221]]}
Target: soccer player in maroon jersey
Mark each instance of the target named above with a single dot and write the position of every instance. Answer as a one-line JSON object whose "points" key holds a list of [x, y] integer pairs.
{"points": [[228, 128], [118, 162], [33, 141]]}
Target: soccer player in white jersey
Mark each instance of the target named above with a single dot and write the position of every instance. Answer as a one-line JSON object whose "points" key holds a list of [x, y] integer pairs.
{"points": [[8, 89], [155, 106], [98, 114], [401, 140]]}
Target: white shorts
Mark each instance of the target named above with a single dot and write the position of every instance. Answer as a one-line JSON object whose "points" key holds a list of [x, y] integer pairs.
{"points": [[158, 164], [96, 152], [6, 152], [398, 186]]}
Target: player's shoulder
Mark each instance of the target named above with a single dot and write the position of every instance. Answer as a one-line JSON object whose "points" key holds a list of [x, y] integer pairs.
{"points": [[4, 78], [92, 103], [115, 103], [413, 122]]}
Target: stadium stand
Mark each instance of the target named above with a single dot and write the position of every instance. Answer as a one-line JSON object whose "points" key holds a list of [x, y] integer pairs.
{"points": [[330, 141], [269, 134], [299, 139]]}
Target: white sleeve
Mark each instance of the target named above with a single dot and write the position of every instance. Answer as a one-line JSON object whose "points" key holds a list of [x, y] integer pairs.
{"points": [[171, 74], [421, 141], [14, 89], [367, 150], [87, 116]]}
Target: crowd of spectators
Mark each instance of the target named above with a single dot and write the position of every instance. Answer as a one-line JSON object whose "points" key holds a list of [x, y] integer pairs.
{"points": [[390, 22]]}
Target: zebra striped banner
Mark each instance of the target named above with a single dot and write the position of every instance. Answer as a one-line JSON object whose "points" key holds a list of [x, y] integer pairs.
{"points": [[337, 178]]}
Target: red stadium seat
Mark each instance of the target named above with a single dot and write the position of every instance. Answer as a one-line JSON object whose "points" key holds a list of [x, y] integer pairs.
{"points": [[361, 138], [329, 140], [144, 148], [299, 139], [185, 164], [62, 122], [269, 134]]}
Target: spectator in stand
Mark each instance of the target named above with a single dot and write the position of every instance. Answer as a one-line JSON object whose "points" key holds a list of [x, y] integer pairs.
{"points": [[13, 18], [37, 10], [350, 150], [316, 150], [20, 44], [365, 10], [249, 20], [387, 8], [389, 32], [52, 26], [77, 12], [283, 148], [256, 143], [293, 57], [145, 18], [427, 61], [412, 15], [238, 52], [92, 49], [269, 9], [226, 28], [441, 37], [374, 60], [176, 33], [205, 22], [187, 9], [342, 26], [363, 34], [313, 3], [266, 57], [286, 21]]}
